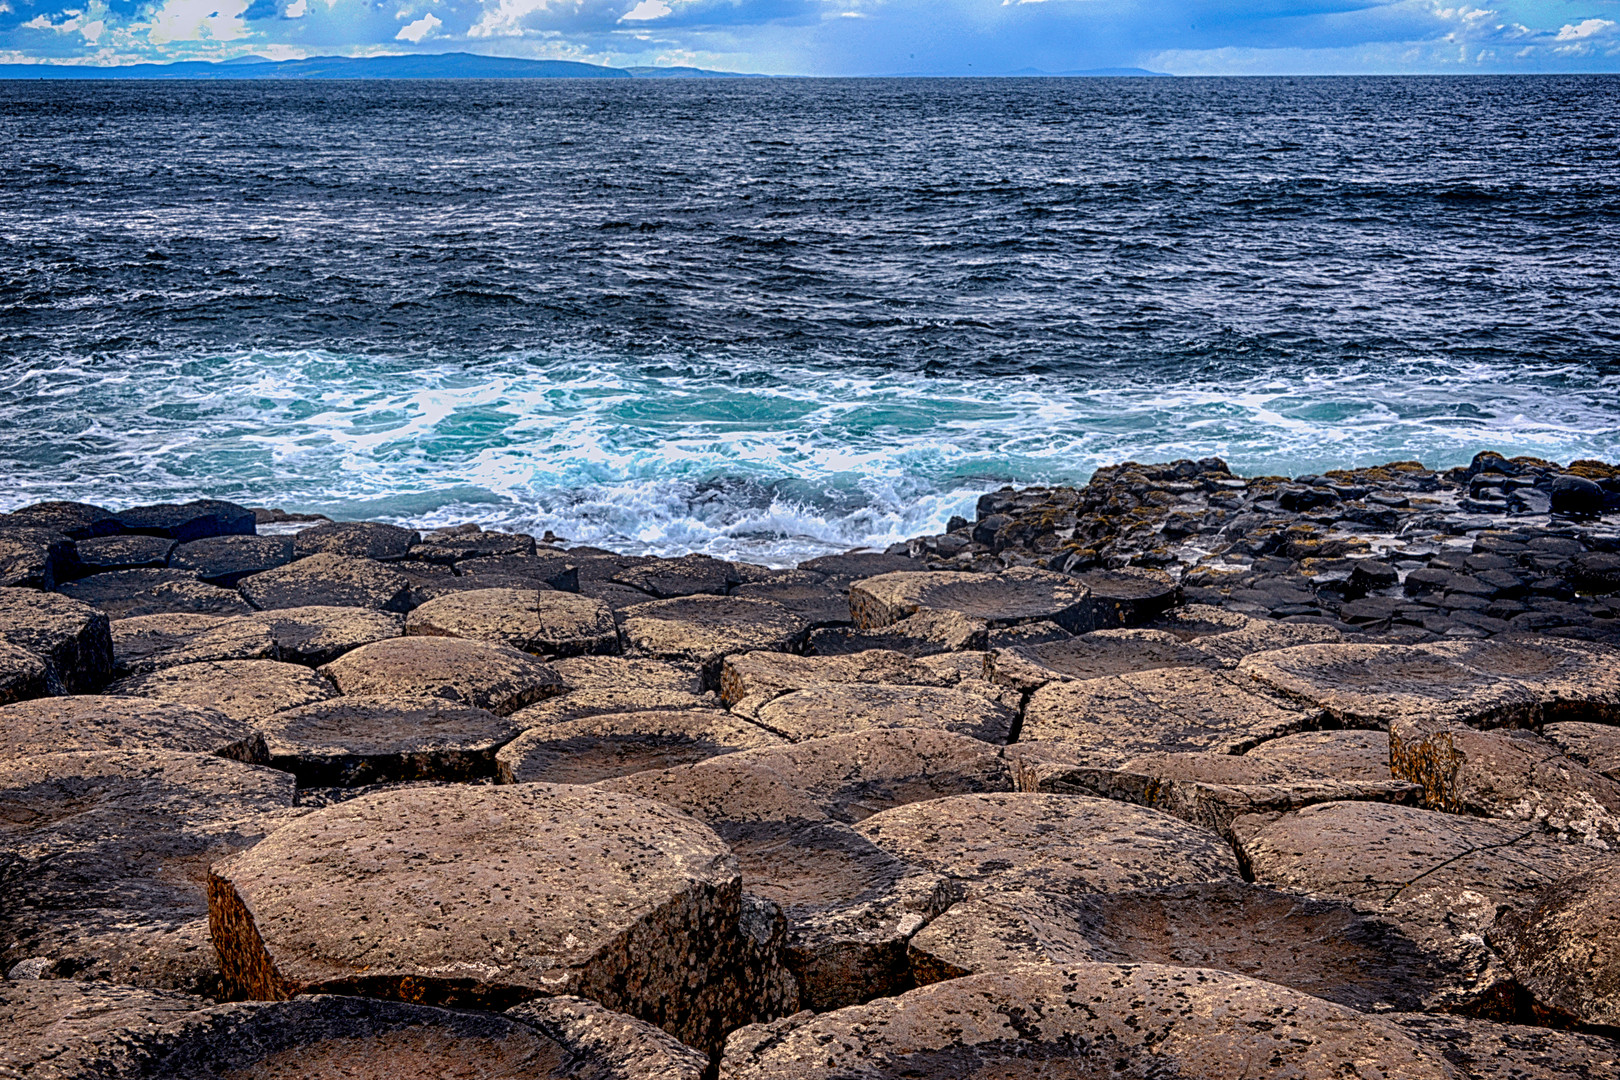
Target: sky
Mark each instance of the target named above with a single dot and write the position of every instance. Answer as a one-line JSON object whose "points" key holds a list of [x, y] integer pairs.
{"points": [[849, 37]]}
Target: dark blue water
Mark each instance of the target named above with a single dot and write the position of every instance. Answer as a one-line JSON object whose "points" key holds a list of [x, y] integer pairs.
{"points": [[775, 317]]}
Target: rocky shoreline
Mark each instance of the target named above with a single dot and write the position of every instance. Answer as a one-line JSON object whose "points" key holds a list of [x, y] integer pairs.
{"points": [[1177, 774]]}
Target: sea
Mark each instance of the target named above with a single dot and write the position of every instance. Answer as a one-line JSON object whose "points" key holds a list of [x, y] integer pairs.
{"points": [[773, 318]]}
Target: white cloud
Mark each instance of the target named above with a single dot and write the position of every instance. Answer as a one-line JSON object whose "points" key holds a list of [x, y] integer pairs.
{"points": [[1586, 29], [5, 8], [197, 20], [647, 9], [419, 30], [297, 9], [506, 18], [88, 22]]}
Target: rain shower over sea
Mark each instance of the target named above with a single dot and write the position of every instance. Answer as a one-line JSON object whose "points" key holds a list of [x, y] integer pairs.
{"points": [[769, 319]]}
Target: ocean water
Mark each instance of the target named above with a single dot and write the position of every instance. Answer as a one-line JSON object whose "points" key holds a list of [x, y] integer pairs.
{"points": [[770, 319]]}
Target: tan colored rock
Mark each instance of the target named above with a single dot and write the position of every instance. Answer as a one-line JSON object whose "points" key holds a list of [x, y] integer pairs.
{"points": [[22, 675], [60, 1028], [580, 704], [594, 748], [622, 1047], [475, 673], [33, 558], [356, 539], [1064, 844], [1177, 709], [124, 594], [1019, 595], [106, 854], [840, 710], [243, 690], [352, 741], [1597, 746], [1125, 1022], [147, 643], [1324, 948], [1565, 951], [1128, 596], [1486, 1050], [457, 546], [771, 674], [1570, 680], [1346, 754], [410, 894], [105, 722], [817, 604], [106, 553], [320, 634], [1091, 656], [72, 639], [702, 631], [549, 623], [1227, 636], [624, 673], [689, 576], [919, 635], [327, 580]]}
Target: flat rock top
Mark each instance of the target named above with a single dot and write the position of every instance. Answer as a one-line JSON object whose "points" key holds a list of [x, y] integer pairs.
{"points": [[1597, 746], [1055, 843], [477, 673], [420, 882], [596, 702], [777, 673], [320, 633], [598, 747], [1566, 950], [1343, 755], [1015, 596], [1094, 655], [55, 1027], [42, 622], [838, 710], [621, 672], [325, 578], [709, 627], [531, 620], [1485, 1050], [1085, 1020], [246, 690], [147, 643], [361, 539], [372, 726], [106, 722]]}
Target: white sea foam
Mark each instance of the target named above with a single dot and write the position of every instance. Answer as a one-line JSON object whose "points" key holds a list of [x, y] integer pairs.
{"points": [[749, 460]]}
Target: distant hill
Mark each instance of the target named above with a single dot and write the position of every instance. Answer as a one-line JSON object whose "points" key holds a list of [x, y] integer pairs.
{"points": [[1091, 73], [416, 66], [688, 73]]}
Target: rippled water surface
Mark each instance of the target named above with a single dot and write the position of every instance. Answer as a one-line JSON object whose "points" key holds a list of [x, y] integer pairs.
{"points": [[773, 318]]}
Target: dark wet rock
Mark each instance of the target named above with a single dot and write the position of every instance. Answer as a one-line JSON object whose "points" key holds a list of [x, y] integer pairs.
{"points": [[764, 675], [606, 745], [107, 553], [702, 631], [1085, 1020], [245, 690], [35, 559], [617, 597], [1440, 878], [603, 701], [74, 520], [839, 710], [1227, 636], [549, 623], [226, 560], [1370, 574], [1343, 755], [923, 634], [189, 521], [1597, 746], [356, 539], [147, 643], [1129, 596], [353, 741], [123, 594], [542, 570], [1019, 595], [1576, 496], [619, 1047], [449, 548], [1565, 951], [1091, 656], [106, 854], [626, 673], [84, 722], [327, 580], [624, 902], [818, 605], [476, 673], [72, 639], [1486, 1050], [1175, 709], [666, 579], [855, 565], [320, 634], [1062, 844], [1322, 947], [22, 675], [1596, 572]]}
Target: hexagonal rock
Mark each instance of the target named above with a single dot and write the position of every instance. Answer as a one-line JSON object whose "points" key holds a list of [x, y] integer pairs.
{"points": [[1565, 951], [771, 674], [1346, 754], [840, 710], [580, 704], [356, 539], [1486, 1050], [147, 643], [106, 854], [1228, 636], [540, 571], [1324, 948], [854, 565], [328, 581], [226, 560], [73, 640], [123, 594], [1370, 685], [689, 576], [1440, 878], [189, 521], [105, 722], [1130, 1022], [1570, 681], [850, 906], [1177, 709], [1019, 595], [548, 623], [816, 604], [1517, 775], [353, 741], [703, 630], [247, 690], [22, 675], [622, 900], [1597, 746], [318, 635], [1128, 596], [923, 634], [74, 520], [475, 673], [622, 1047], [1054, 843], [107, 553], [627, 673], [447, 548], [1091, 656], [599, 747], [34, 558]]}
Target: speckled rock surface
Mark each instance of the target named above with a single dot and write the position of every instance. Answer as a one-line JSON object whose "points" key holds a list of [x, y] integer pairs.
{"points": [[579, 704], [771, 674], [74, 520], [62, 1029], [703, 630], [840, 710], [226, 560], [817, 604], [689, 576], [146, 643], [106, 854], [922, 634], [1130, 1022], [351, 741], [594, 748], [622, 672], [1565, 951], [549, 623], [409, 894], [123, 594], [327, 580], [476, 673], [1091, 656], [1019, 595], [1228, 636], [22, 675], [320, 634], [617, 1047], [107, 553], [107, 722], [1346, 754], [1597, 746], [1486, 1050], [34, 558], [356, 539], [247, 690], [73, 640]]}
